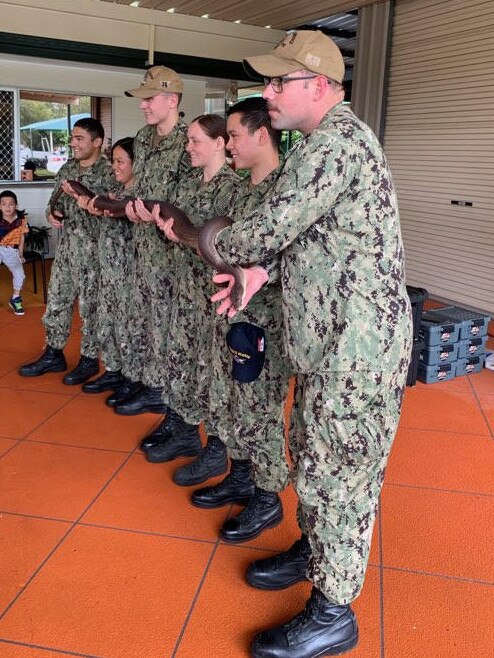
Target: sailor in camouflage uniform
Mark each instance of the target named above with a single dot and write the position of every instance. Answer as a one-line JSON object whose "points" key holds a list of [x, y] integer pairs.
{"points": [[207, 190], [333, 218], [249, 415], [116, 255], [160, 161], [75, 272]]}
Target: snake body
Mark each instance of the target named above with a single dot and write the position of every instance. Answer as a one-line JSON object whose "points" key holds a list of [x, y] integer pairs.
{"points": [[53, 204], [202, 239]]}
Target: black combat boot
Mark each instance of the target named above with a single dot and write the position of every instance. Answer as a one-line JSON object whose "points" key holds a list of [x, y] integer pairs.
{"points": [[184, 442], [84, 370], [163, 432], [212, 460], [237, 487], [110, 380], [283, 569], [321, 629], [263, 511], [52, 360], [147, 400], [126, 390]]}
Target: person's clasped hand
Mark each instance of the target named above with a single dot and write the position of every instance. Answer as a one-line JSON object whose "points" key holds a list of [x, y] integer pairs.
{"points": [[137, 212], [87, 203], [68, 189], [166, 225], [254, 279], [55, 219]]}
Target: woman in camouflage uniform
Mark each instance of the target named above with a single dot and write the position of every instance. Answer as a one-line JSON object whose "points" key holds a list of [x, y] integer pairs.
{"points": [[206, 191], [116, 253]]}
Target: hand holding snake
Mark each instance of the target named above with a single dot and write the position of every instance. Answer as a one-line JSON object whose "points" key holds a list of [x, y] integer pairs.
{"points": [[202, 239]]}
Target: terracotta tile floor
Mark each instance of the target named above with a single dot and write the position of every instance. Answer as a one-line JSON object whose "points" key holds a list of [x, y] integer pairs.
{"points": [[102, 556]]}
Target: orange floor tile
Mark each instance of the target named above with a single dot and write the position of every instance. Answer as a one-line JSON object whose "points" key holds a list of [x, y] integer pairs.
{"points": [[102, 556]]}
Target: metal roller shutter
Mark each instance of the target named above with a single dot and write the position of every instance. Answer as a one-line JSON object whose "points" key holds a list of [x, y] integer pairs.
{"points": [[439, 139]]}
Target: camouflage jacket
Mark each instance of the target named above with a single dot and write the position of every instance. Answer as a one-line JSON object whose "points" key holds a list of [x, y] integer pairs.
{"points": [[265, 307], [99, 179], [333, 215], [157, 169], [200, 202], [116, 236]]}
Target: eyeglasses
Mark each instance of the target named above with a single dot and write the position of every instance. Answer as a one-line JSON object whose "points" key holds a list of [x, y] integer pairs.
{"points": [[278, 82]]}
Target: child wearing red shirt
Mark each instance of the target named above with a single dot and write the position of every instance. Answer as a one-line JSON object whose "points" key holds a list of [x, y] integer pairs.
{"points": [[13, 227]]}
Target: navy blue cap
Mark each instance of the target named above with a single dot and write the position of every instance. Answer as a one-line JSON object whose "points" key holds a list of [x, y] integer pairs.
{"points": [[247, 344]]}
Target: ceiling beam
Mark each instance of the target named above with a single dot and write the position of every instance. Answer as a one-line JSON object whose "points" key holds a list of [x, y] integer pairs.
{"points": [[332, 32], [91, 53]]}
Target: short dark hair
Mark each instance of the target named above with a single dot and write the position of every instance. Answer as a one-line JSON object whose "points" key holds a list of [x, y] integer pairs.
{"points": [[8, 194], [29, 165], [127, 144], [91, 126], [213, 125], [255, 115]]}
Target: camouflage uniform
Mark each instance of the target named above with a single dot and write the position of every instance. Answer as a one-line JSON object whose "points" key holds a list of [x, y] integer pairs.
{"points": [[157, 170], [249, 417], [116, 253], [347, 320], [192, 314], [75, 271]]}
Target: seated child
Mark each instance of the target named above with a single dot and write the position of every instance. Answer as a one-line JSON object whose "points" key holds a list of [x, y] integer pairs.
{"points": [[13, 227]]}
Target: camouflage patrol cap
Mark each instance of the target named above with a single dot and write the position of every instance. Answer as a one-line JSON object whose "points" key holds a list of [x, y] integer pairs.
{"points": [[158, 80], [305, 49]]}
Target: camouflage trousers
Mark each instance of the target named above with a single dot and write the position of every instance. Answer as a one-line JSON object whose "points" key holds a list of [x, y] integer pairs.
{"points": [[191, 324], [148, 319], [114, 296], [74, 274], [249, 417], [344, 424]]}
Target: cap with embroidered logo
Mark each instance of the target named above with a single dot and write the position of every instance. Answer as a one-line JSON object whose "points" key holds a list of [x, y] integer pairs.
{"points": [[158, 80], [247, 344], [305, 49]]}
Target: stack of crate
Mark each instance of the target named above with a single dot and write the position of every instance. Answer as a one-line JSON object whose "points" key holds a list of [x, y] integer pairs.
{"points": [[454, 343]]}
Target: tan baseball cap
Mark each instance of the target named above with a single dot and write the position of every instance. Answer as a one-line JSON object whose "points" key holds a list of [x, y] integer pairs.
{"points": [[306, 49], [158, 80]]}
